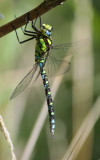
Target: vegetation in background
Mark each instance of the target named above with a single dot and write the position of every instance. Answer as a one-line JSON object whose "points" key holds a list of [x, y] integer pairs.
{"points": [[21, 114]]}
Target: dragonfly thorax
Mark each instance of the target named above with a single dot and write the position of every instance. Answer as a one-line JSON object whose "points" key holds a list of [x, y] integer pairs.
{"points": [[44, 42]]}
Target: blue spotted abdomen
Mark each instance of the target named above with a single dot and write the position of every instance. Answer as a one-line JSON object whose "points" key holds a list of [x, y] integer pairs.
{"points": [[48, 97]]}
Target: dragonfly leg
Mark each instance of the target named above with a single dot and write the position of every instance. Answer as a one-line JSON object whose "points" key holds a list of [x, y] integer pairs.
{"points": [[36, 21], [32, 37], [26, 32], [33, 26], [40, 22]]}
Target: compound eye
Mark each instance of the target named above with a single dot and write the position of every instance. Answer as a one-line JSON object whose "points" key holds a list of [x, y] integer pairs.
{"points": [[48, 33]]}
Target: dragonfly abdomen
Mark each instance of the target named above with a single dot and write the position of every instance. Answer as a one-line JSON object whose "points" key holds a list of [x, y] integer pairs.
{"points": [[49, 98]]}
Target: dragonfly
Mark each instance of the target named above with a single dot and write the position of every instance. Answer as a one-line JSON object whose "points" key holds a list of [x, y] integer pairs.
{"points": [[43, 50]]}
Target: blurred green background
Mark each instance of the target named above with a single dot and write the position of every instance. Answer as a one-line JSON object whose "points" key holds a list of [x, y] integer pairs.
{"points": [[21, 113]]}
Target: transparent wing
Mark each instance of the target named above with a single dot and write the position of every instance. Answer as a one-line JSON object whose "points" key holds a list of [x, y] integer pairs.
{"points": [[63, 45], [57, 56], [24, 82], [61, 49]]}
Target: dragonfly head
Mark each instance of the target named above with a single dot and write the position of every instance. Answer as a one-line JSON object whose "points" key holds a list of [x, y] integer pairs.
{"points": [[46, 30]]}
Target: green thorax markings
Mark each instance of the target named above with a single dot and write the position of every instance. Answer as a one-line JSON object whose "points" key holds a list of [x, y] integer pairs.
{"points": [[44, 41], [42, 46]]}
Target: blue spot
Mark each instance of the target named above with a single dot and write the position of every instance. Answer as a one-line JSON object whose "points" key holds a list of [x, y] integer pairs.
{"points": [[42, 76], [52, 131], [45, 86], [40, 64], [53, 126], [53, 121]]}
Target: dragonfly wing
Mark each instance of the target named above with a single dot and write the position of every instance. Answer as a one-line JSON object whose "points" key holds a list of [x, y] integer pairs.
{"points": [[53, 67], [59, 51], [56, 58], [68, 47], [60, 54], [24, 82]]}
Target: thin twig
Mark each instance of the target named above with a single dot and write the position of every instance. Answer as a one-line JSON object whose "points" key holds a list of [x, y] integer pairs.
{"points": [[7, 136], [31, 15]]}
